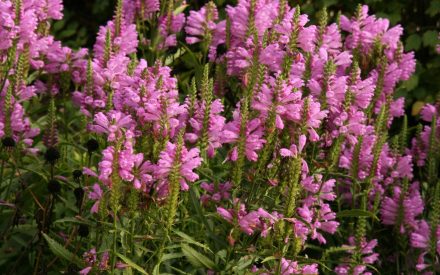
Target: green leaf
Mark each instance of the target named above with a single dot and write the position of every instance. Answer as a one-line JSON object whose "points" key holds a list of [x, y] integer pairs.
{"points": [[58, 25], [413, 42], [337, 249], [190, 240], [243, 263], [61, 251], [127, 271], [132, 264], [171, 58], [434, 8], [171, 256], [356, 213], [270, 258], [430, 38], [73, 220], [412, 82], [180, 9], [196, 258], [67, 33]]}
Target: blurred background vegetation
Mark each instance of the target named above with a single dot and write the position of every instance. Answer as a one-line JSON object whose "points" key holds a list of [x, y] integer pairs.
{"points": [[419, 18]]}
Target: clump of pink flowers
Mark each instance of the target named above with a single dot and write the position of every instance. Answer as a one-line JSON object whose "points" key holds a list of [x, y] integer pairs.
{"points": [[237, 139]]}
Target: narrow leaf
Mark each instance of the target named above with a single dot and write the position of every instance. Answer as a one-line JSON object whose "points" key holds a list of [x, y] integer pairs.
{"points": [[132, 264], [61, 251], [190, 240], [196, 258]]}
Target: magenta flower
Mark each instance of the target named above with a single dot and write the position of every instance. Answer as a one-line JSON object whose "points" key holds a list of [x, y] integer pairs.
{"points": [[427, 112], [411, 205], [123, 44], [133, 9], [320, 218], [189, 161], [199, 23], [113, 124], [292, 267], [287, 101], [2, 126], [249, 222], [106, 165], [254, 134], [95, 194], [142, 173], [421, 238], [368, 258], [215, 192], [215, 125], [168, 30], [265, 14], [294, 150], [272, 56]]}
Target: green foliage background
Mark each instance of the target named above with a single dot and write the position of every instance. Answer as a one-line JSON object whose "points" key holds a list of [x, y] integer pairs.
{"points": [[419, 18]]}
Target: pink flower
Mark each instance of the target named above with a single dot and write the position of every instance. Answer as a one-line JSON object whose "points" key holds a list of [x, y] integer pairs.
{"points": [[111, 124], [272, 56], [421, 236], [428, 111], [124, 44], [189, 160], [106, 165], [199, 23], [254, 134], [215, 127], [225, 214], [250, 222], [133, 9], [293, 151], [368, 258], [215, 192], [292, 267], [287, 101], [168, 30]]}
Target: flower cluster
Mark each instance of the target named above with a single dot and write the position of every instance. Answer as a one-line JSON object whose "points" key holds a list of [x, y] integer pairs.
{"points": [[26, 46], [281, 145]]}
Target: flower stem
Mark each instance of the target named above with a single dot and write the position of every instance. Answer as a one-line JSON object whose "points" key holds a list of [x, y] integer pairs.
{"points": [[2, 170]]}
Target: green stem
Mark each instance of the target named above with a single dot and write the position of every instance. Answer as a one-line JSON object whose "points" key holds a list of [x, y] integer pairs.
{"points": [[2, 169], [131, 236], [115, 239], [10, 183]]}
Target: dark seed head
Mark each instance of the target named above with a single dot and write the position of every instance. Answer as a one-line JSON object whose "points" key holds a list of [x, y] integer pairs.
{"points": [[77, 174], [92, 145], [221, 49], [8, 142], [54, 186], [52, 155], [83, 230]]}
